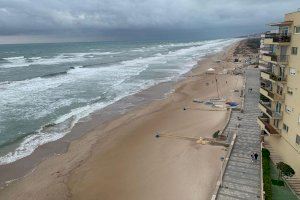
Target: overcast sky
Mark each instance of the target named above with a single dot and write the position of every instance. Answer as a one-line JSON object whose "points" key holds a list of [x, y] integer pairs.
{"points": [[63, 20]]}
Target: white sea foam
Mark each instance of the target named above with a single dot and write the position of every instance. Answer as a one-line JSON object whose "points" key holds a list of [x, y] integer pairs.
{"points": [[48, 94], [18, 61], [28, 146], [31, 142], [21, 61]]}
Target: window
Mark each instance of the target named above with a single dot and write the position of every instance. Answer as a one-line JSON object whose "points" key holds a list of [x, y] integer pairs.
{"points": [[285, 127], [278, 107], [294, 50], [297, 29], [276, 122], [292, 72], [297, 139]]}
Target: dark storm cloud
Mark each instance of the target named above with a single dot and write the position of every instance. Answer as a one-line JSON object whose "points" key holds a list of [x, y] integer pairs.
{"points": [[21, 17]]}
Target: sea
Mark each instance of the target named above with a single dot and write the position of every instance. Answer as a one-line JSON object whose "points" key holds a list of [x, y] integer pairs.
{"points": [[45, 89]]}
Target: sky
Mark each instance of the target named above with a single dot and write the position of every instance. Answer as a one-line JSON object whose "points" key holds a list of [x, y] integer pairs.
{"points": [[23, 21]]}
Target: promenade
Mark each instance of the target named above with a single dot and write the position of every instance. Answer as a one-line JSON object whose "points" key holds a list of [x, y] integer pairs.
{"points": [[241, 179]]}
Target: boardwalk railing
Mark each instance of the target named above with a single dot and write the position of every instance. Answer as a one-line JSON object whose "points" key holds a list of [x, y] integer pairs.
{"points": [[224, 165]]}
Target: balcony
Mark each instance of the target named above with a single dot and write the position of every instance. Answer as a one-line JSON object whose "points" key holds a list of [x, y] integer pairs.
{"points": [[265, 50], [266, 74], [277, 78], [264, 123], [277, 39], [266, 104], [268, 92], [266, 57], [262, 120], [271, 129], [280, 59], [266, 88], [265, 107]]}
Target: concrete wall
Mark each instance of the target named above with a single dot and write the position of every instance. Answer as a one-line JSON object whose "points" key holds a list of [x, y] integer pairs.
{"points": [[293, 101]]}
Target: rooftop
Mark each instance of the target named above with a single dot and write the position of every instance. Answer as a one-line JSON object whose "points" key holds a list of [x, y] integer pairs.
{"points": [[285, 23]]}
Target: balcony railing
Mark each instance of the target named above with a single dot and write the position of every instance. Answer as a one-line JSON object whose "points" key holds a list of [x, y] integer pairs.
{"points": [[279, 37], [266, 70], [268, 127], [279, 58], [264, 120], [267, 88], [266, 50], [271, 129], [265, 104], [273, 95], [277, 78], [270, 112]]}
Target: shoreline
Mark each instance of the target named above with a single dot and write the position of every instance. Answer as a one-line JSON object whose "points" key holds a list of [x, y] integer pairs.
{"points": [[65, 145], [109, 113]]}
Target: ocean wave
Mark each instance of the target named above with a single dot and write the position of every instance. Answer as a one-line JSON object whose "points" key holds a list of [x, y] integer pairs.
{"points": [[51, 132], [21, 61], [131, 67], [29, 144], [60, 73], [54, 74], [120, 79], [14, 58], [11, 62]]}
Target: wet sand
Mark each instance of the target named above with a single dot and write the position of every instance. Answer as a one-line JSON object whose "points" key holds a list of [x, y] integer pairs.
{"points": [[122, 159]]}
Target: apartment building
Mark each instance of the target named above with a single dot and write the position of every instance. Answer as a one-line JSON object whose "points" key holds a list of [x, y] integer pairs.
{"points": [[280, 88]]}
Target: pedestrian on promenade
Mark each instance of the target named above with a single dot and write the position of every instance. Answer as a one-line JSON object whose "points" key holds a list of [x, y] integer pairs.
{"points": [[252, 157], [255, 156]]}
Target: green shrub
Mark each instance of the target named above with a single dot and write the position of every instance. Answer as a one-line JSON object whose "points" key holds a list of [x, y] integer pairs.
{"points": [[216, 134], [265, 153], [285, 170], [267, 174], [277, 182]]}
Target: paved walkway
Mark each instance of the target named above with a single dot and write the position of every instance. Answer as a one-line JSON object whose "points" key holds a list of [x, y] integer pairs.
{"points": [[242, 176]]}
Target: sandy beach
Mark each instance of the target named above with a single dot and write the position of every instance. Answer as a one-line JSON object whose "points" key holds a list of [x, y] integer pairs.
{"points": [[122, 158]]}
